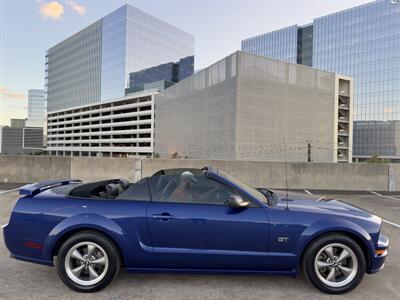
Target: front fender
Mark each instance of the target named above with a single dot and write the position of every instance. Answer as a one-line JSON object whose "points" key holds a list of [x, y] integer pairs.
{"points": [[85, 221], [329, 225]]}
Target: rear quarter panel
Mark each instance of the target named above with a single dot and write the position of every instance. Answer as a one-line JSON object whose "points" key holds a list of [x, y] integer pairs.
{"points": [[47, 219]]}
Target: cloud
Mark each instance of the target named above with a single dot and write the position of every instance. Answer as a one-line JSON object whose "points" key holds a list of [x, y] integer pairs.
{"points": [[6, 93], [53, 10], [79, 9]]}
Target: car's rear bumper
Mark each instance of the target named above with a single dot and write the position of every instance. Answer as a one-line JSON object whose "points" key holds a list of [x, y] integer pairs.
{"points": [[381, 251], [6, 235], [10, 242]]}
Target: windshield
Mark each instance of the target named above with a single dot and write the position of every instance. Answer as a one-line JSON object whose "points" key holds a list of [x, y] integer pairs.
{"points": [[244, 186]]}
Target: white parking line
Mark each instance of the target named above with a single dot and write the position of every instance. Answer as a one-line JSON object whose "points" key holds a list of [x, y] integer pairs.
{"points": [[383, 196], [388, 197], [391, 223], [308, 192], [9, 191]]}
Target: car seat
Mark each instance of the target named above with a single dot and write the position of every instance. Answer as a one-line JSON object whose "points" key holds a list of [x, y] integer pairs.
{"points": [[123, 184], [169, 189], [112, 190]]}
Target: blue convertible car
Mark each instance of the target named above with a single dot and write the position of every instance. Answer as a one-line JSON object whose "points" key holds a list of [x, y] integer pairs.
{"points": [[190, 220]]}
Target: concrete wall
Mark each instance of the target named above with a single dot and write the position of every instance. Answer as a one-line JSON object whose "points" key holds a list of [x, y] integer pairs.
{"points": [[321, 176], [22, 169], [377, 177], [241, 107], [196, 116], [97, 168], [277, 99]]}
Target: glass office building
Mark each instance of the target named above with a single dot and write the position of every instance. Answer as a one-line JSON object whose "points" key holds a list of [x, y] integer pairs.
{"points": [[364, 43], [381, 137], [161, 76], [36, 109], [280, 44], [94, 64]]}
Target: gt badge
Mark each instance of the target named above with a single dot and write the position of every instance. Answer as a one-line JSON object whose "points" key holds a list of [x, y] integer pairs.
{"points": [[283, 239]]}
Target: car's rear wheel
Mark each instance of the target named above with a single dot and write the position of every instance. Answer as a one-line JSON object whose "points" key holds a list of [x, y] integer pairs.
{"points": [[88, 262], [334, 263]]}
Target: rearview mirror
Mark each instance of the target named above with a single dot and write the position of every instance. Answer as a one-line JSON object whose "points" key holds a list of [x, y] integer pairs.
{"points": [[236, 201]]}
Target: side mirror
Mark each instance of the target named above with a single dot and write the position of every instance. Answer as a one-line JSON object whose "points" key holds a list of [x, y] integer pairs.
{"points": [[236, 201]]}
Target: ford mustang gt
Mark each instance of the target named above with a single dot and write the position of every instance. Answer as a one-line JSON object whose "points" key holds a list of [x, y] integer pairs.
{"points": [[191, 220]]}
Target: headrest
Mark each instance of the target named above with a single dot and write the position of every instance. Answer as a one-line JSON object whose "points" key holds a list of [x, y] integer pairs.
{"points": [[124, 184], [112, 190]]}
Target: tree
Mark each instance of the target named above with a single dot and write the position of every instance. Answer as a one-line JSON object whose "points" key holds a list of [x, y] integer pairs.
{"points": [[375, 159], [174, 154]]}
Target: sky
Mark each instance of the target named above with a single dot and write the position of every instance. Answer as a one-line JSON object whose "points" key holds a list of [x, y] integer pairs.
{"points": [[29, 27]]}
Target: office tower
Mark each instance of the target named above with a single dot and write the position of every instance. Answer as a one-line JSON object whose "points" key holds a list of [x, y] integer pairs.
{"points": [[94, 64], [362, 42]]}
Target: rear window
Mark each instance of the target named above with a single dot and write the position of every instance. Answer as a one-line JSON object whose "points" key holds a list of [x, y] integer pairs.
{"points": [[138, 191]]}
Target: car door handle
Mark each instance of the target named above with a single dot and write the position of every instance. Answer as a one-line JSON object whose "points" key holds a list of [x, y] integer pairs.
{"points": [[163, 216]]}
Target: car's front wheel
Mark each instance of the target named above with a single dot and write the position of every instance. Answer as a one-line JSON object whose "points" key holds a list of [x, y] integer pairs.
{"points": [[335, 264], [88, 262]]}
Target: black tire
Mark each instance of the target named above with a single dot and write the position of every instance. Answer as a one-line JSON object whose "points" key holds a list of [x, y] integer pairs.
{"points": [[111, 253], [309, 267]]}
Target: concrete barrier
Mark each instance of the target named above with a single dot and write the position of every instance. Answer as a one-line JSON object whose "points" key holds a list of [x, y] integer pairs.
{"points": [[98, 168], [22, 169], [318, 176]]}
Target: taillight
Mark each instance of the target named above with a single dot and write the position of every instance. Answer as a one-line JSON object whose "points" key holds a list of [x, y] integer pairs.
{"points": [[33, 245]]}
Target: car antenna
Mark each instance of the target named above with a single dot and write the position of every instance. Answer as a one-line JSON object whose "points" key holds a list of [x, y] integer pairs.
{"points": [[286, 173]]}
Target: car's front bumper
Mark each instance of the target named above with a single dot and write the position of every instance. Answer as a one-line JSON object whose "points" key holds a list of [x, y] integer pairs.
{"points": [[381, 251]]}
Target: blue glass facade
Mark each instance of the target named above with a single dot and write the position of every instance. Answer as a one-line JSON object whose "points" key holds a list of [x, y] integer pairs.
{"points": [[113, 54], [362, 42], [305, 38], [73, 69], [36, 109], [134, 40], [280, 44], [170, 72], [186, 67], [94, 64]]}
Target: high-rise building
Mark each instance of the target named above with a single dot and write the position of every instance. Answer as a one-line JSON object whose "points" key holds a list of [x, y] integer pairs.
{"points": [[94, 64], [362, 42], [18, 123], [250, 107], [36, 109], [161, 76], [21, 140], [375, 137]]}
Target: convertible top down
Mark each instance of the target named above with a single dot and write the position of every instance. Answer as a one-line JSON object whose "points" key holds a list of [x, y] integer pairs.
{"points": [[190, 220]]}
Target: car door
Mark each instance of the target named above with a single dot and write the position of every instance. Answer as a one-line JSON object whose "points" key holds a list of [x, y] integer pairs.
{"points": [[200, 231]]}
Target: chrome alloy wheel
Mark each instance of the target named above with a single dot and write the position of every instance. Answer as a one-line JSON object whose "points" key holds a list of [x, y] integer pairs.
{"points": [[336, 265], [86, 263]]}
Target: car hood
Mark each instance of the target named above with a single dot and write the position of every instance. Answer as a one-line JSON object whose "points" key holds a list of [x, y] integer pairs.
{"points": [[312, 203], [327, 206]]}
